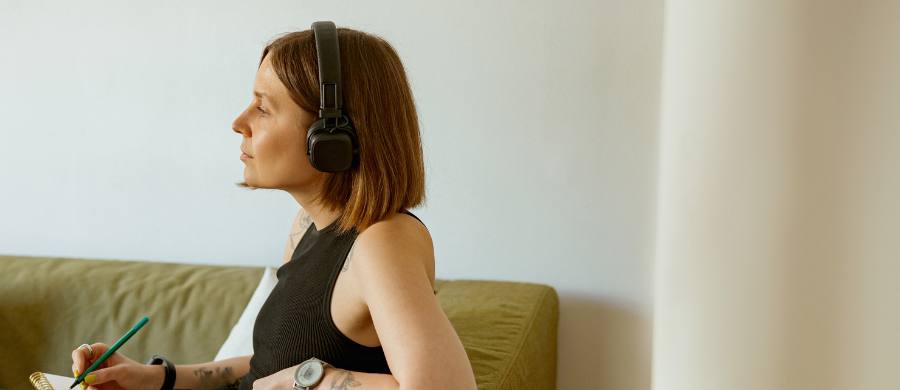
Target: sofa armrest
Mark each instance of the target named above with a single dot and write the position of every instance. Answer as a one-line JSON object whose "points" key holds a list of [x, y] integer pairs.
{"points": [[509, 330]]}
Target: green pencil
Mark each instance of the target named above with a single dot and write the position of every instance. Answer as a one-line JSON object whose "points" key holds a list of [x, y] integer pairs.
{"points": [[111, 350]]}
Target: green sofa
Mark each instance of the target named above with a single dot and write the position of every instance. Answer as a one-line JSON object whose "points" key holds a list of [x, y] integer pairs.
{"points": [[48, 306]]}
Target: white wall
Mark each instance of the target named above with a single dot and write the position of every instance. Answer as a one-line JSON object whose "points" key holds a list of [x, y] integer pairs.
{"points": [[539, 122]]}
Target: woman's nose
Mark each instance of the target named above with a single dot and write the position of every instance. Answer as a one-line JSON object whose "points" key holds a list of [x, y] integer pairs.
{"points": [[238, 124]]}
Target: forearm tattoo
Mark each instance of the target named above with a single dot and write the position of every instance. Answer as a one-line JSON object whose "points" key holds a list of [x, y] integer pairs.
{"points": [[344, 380], [220, 378]]}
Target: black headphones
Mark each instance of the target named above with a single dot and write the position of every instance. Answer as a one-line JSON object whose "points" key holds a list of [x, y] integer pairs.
{"points": [[331, 142]]}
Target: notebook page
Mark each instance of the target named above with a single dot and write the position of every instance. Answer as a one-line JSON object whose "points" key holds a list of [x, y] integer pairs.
{"points": [[60, 382]]}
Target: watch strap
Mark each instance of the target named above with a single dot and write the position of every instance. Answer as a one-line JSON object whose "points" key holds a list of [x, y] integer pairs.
{"points": [[169, 380]]}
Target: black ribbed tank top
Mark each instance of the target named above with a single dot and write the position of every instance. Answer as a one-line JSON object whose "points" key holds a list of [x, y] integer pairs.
{"points": [[295, 324]]}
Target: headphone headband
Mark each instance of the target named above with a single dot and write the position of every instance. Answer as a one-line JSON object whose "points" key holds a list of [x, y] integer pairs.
{"points": [[331, 143], [328, 51]]}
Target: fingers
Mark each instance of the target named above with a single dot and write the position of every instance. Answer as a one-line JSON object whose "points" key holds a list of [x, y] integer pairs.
{"points": [[82, 359], [101, 376], [79, 359], [99, 349]]}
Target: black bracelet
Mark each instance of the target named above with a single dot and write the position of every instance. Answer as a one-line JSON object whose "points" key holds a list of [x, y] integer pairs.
{"points": [[169, 381]]}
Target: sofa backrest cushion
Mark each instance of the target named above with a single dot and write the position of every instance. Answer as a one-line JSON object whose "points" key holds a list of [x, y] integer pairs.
{"points": [[48, 306]]}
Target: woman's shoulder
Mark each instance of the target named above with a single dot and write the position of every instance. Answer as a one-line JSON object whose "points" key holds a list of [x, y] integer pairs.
{"points": [[397, 232], [398, 240], [403, 222]]}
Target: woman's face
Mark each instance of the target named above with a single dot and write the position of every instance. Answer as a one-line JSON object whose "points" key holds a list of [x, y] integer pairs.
{"points": [[274, 136]]}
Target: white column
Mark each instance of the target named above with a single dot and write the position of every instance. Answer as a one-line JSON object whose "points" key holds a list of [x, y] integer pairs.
{"points": [[777, 238]]}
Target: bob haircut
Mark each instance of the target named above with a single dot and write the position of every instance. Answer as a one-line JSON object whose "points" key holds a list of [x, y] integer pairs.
{"points": [[390, 175]]}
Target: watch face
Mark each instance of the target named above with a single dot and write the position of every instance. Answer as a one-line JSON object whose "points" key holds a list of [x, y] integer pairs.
{"points": [[309, 373]]}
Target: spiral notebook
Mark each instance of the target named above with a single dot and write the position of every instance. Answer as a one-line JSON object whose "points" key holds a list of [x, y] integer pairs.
{"points": [[44, 381]]}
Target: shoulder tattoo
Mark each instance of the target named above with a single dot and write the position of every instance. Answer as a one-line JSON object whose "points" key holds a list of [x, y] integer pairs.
{"points": [[346, 266], [305, 222]]}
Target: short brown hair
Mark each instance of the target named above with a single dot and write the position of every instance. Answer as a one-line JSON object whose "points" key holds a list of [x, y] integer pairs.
{"points": [[390, 175]]}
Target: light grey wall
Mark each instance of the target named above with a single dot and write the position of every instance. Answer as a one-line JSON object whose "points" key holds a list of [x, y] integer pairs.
{"points": [[539, 121]]}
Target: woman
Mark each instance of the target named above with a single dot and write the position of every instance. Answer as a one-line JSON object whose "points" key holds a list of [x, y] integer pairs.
{"points": [[356, 288]]}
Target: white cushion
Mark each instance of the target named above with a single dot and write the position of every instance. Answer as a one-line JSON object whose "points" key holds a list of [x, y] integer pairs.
{"points": [[240, 340]]}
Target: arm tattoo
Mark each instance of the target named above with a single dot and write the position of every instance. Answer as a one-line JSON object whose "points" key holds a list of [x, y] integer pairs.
{"points": [[344, 380], [221, 378], [233, 385]]}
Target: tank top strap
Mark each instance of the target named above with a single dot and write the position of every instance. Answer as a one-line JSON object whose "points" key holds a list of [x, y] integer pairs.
{"points": [[405, 211]]}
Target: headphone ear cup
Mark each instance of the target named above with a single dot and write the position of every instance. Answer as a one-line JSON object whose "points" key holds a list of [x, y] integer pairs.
{"points": [[329, 149], [314, 128], [351, 133]]}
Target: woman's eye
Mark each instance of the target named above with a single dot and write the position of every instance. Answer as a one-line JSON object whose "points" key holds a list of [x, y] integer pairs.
{"points": [[261, 110]]}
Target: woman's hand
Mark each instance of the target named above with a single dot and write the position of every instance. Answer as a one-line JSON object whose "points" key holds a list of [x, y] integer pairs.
{"points": [[118, 372], [281, 380]]}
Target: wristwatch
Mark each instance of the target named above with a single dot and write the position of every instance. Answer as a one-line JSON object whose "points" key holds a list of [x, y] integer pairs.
{"points": [[309, 373]]}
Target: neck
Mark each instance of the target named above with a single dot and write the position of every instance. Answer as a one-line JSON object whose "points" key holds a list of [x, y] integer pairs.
{"points": [[320, 215]]}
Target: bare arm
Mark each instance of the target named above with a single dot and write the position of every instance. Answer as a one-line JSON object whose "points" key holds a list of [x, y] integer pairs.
{"points": [[420, 344], [339, 378]]}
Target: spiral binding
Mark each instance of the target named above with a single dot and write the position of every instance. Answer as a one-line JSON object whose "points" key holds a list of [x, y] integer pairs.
{"points": [[39, 381]]}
